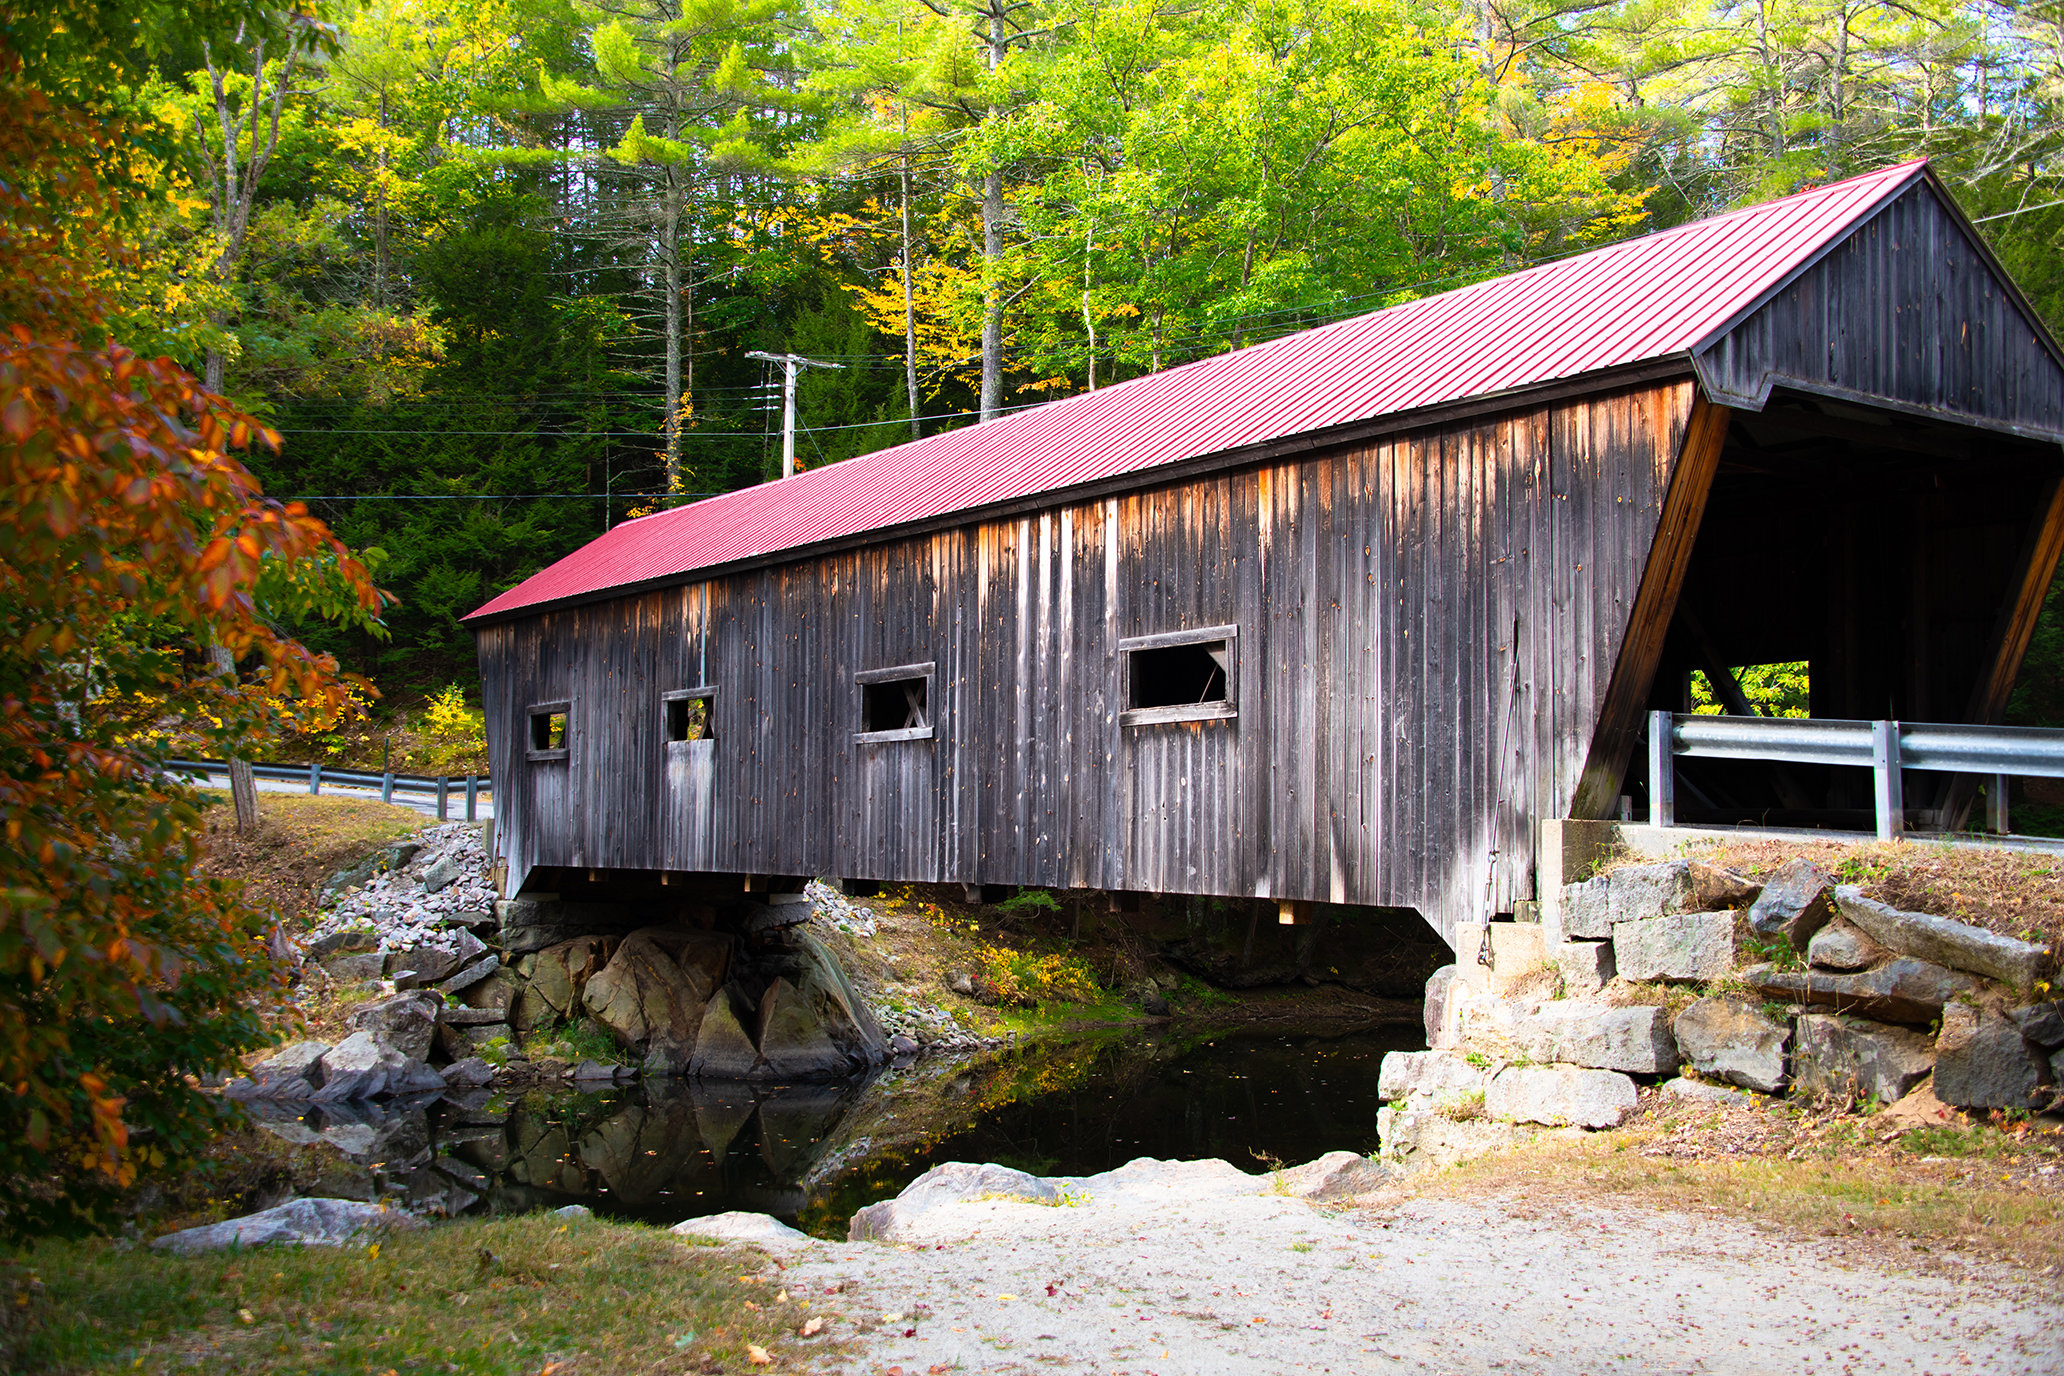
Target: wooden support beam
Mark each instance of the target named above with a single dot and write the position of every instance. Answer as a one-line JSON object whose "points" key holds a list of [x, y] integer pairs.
{"points": [[1626, 694], [2010, 637], [1293, 913]]}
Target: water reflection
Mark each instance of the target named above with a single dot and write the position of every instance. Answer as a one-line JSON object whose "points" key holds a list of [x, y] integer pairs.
{"points": [[667, 1150]]}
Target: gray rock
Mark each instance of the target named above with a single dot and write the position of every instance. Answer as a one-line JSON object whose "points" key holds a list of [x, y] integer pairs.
{"points": [[1794, 905], [1841, 945], [1587, 908], [562, 971], [2041, 1023], [474, 919], [794, 1044], [961, 982], [1336, 1175], [764, 1229], [830, 995], [1957, 945], [1560, 1096], [1846, 1059], [352, 968], [347, 941], [1903, 990], [1599, 1037], [355, 1068], [722, 1050], [902, 1044], [1153, 1005], [1437, 986], [1421, 1139], [955, 1182], [572, 1211], [644, 993], [397, 855], [1427, 1079], [470, 1073], [407, 1022], [1638, 893], [420, 966], [298, 1222], [1983, 1061], [1586, 967], [1679, 946], [458, 1015], [1732, 1040], [406, 1075], [293, 1072], [594, 1070], [1699, 1092], [441, 875]]}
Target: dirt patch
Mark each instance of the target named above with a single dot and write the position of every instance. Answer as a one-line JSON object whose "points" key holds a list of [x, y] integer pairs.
{"points": [[299, 842], [2014, 893], [1925, 1198]]}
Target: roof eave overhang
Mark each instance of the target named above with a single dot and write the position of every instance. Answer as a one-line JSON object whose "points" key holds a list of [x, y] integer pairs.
{"points": [[1302, 444]]}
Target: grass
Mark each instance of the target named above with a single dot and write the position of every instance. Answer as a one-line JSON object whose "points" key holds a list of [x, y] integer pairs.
{"points": [[299, 842], [497, 1297], [1833, 1179]]}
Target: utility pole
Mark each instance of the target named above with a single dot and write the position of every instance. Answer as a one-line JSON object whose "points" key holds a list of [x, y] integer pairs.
{"points": [[790, 362]]}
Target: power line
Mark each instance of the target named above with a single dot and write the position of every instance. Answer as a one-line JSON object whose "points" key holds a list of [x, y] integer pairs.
{"points": [[2022, 210]]}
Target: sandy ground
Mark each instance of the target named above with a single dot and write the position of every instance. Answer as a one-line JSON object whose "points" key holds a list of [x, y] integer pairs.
{"points": [[1192, 1271]]}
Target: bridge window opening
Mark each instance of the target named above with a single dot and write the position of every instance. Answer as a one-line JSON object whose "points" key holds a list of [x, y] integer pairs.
{"points": [[897, 704], [548, 731], [690, 715], [1180, 675]]}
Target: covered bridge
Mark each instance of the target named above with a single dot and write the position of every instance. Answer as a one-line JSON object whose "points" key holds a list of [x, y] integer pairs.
{"points": [[1334, 618]]}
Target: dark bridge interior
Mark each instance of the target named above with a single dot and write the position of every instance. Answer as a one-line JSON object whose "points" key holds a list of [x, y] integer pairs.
{"points": [[1885, 551]]}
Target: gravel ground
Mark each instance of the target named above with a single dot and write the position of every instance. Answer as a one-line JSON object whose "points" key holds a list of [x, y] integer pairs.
{"points": [[1185, 1271]]}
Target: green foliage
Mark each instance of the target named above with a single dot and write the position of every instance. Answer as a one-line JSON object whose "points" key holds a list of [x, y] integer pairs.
{"points": [[1775, 690], [1029, 903]]}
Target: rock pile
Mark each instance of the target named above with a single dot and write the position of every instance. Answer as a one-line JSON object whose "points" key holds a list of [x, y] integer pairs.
{"points": [[1848, 1008]]}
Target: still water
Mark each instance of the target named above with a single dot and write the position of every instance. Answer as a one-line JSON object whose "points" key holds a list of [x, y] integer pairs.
{"points": [[670, 1150]]}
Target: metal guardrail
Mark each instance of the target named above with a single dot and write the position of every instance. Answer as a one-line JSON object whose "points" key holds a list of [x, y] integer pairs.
{"points": [[1883, 747], [441, 786]]}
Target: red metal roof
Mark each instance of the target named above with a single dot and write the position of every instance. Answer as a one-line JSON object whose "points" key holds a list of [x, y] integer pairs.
{"points": [[1645, 298]]}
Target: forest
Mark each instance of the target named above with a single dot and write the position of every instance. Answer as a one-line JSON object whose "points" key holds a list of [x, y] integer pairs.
{"points": [[492, 269]]}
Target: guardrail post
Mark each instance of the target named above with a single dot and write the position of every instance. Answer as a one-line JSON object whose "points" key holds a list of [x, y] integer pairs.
{"points": [[443, 793], [1996, 806], [315, 779], [1891, 792], [472, 797], [1662, 771], [387, 786]]}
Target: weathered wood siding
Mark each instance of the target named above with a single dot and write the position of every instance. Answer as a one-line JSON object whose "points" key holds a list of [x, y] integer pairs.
{"points": [[1425, 628], [1905, 309]]}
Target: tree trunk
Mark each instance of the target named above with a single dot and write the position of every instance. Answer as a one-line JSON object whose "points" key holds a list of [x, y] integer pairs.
{"points": [[243, 789], [909, 301], [992, 245], [670, 252]]}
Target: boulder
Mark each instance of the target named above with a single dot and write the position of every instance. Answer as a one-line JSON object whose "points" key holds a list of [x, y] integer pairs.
{"points": [[1794, 905], [351, 968], [1587, 908], [471, 974], [1598, 1036], [298, 1222], [1336, 1175], [838, 1006], [1846, 1059], [1416, 1139], [458, 1015], [1427, 1079], [1903, 990], [441, 875], [2041, 1023], [1732, 1040], [902, 1045], [1586, 967], [498, 991], [1841, 945], [355, 1068], [562, 971], [762, 1229], [470, 1073], [344, 941], [293, 1072], [1437, 986], [793, 1042], [1637, 893], [1560, 1095], [645, 994], [1957, 945], [421, 965], [406, 1023], [722, 1050], [1699, 1092], [1983, 1061], [1678, 946], [956, 1182]]}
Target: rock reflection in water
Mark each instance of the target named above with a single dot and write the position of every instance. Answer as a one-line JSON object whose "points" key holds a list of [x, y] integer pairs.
{"points": [[659, 1151]]}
